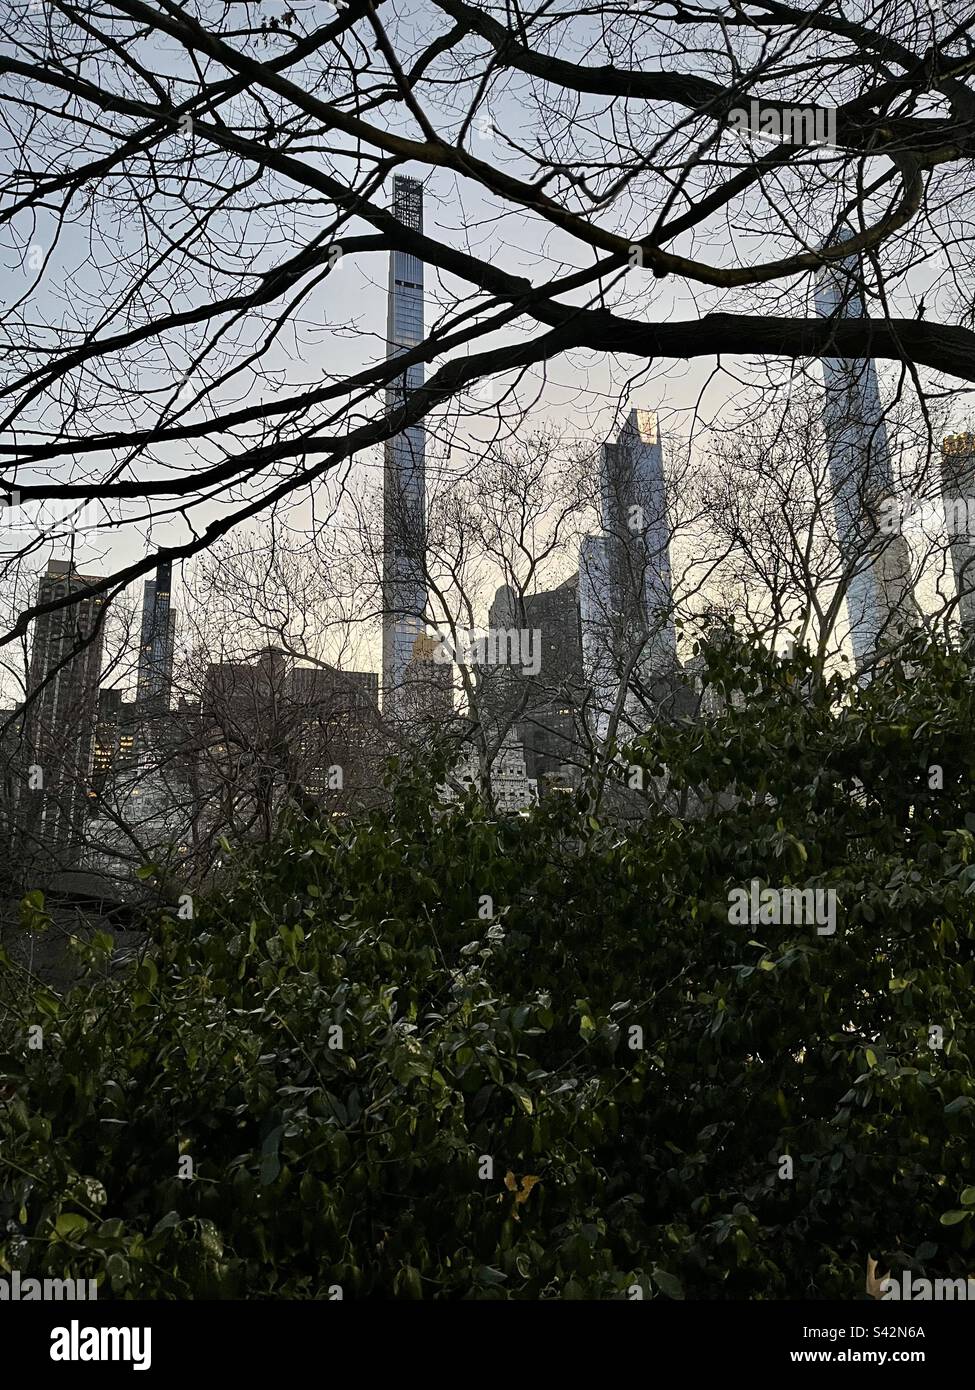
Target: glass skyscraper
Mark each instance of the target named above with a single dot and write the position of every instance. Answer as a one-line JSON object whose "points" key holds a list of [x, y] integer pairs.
{"points": [[155, 674]]}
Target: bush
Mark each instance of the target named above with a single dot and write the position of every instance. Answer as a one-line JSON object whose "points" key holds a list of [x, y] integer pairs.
{"points": [[426, 1055]]}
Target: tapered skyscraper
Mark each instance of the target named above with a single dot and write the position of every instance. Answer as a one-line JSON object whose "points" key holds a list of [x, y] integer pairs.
{"points": [[404, 482], [155, 675], [877, 564], [625, 590]]}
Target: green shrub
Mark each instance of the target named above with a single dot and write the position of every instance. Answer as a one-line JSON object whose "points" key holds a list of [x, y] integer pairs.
{"points": [[487, 1123]]}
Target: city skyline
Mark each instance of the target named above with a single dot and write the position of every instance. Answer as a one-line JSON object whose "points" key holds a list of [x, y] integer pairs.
{"points": [[621, 596]]}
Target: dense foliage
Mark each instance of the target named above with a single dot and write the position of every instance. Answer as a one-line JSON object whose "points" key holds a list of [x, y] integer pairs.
{"points": [[487, 976]]}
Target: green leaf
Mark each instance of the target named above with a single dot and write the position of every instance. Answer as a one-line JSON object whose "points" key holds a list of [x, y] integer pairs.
{"points": [[524, 1099], [69, 1224], [668, 1284], [408, 1283]]}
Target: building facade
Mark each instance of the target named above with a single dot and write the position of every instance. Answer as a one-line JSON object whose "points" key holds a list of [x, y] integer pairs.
{"points": [[155, 673], [335, 747], [544, 696], [511, 786], [958, 496], [427, 695], [404, 474], [65, 665], [625, 583], [116, 728]]}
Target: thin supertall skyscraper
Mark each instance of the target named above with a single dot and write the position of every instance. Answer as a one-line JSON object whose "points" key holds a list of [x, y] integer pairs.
{"points": [[877, 565], [155, 675], [404, 477]]}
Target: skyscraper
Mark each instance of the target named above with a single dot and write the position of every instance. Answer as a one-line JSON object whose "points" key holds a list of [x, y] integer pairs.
{"points": [[958, 495], [65, 665], [545, 697], [598, 632], [634, 507], [625, 589], [115, 747], [427, 691], [404, 482], [155, 675], [334, 724], [877, 566]]}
